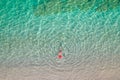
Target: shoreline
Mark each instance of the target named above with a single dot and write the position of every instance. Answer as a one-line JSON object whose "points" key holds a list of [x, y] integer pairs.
{"points": [[45, 73]]}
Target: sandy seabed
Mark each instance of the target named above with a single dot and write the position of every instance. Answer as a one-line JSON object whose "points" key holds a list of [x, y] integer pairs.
{"points": [[45, 73]]}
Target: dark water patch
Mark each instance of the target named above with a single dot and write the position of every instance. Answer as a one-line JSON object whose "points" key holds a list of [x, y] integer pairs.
{"points": [[63, 6], [106, 5]]}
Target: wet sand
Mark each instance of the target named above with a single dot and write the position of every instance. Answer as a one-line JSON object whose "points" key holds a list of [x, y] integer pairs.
{"points": [[46, 73]]}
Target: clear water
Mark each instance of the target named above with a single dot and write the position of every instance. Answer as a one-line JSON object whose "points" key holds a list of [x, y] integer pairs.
{"points": [[87, 37]]}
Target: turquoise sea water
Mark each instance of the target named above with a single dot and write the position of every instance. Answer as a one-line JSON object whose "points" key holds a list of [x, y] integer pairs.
{"points": [[87, 37]]}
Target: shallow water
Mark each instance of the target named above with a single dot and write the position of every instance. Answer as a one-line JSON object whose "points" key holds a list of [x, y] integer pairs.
{"points": [[88, 38]]}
